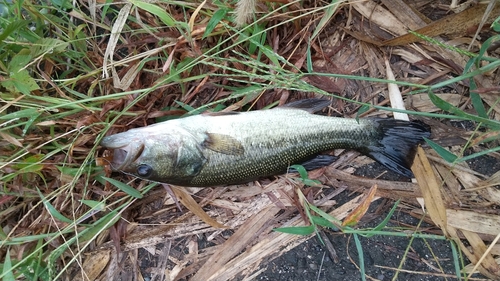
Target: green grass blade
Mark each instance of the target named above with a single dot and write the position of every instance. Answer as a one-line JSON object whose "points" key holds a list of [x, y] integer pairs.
{"points": [[301, 170], [327, 217], [33, 267], [255, 38], [443, 152], [485, 46], [386, 220], [476, 100], [45, 46], [99, 226], [155, 10], [304, 177], [477, 154], [362, 110], [52, 211], [323, 222], [327, 16], [309, 62], [442, 104], [188, 108], [124, 187], [214, 21], [298, 230], [454, 252], [84, 235], [7, 274], [12, 27], [496, 25], [94, 205], [361, 256]]}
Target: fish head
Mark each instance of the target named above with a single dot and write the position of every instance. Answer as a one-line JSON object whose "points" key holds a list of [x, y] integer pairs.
{"points": [[169, 156]]}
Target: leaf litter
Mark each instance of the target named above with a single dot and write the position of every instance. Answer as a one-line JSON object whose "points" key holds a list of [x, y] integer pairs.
{"points": [[357, 39]]}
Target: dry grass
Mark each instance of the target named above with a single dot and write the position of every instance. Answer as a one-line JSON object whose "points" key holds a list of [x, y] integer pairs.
{"points": [[70, 75]]}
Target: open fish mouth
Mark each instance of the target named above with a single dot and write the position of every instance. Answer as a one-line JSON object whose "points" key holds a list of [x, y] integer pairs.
{"points": [[124, 157], [124, 151], [119, 158]]}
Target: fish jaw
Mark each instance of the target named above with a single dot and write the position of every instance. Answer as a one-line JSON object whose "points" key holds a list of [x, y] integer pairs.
{"points": [[126, 149]]}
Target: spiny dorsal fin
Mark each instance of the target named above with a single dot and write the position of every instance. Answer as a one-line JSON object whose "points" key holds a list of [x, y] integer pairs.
{"points": [[220, 113], [223, 144], [309, 105]]}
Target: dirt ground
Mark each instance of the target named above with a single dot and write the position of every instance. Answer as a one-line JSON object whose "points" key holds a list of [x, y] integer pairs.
{"points": [[382, 257], [383, 254]]}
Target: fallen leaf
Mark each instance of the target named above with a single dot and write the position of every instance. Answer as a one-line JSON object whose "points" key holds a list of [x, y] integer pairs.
{"points": [[356, 215], [188, 201], [431, 189], [456, 24]]}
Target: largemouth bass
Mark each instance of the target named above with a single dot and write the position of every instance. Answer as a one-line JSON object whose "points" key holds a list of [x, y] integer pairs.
{"points": [[208, 150]]}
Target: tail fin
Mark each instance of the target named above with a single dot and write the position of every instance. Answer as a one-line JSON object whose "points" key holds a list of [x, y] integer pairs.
{"points": [[395, 145]]}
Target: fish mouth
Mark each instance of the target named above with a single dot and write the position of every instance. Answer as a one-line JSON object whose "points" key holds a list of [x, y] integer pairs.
{"points": [[123, 157], [124, 152], [119, 158]]}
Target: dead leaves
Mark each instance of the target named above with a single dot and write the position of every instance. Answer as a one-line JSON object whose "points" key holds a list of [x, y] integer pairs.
{"points": [[400, 17], [460, 24], [456, 223], [431, 189], [188, 201], [353, 218], [93, 265], [452, 194]]}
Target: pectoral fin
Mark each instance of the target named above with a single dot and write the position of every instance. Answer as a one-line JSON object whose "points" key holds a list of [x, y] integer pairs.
{"points": [[223, 144]]}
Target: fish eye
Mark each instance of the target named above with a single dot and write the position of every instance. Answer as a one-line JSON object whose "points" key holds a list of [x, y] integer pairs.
{"points": [[144, 170]]}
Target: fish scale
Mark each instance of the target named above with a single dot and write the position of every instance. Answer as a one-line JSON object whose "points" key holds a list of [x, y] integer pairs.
{"points": [[275, 155], [208, 150]]}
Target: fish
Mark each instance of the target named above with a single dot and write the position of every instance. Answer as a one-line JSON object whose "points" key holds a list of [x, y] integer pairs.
{"points": [[238, 147]]}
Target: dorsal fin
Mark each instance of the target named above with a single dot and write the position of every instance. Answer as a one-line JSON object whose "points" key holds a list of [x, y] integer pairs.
{"points": [[309, 105], [220, 113]]}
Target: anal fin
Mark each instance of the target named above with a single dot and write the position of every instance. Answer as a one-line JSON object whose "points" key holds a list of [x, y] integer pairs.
{"points": [[317, 162]]}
